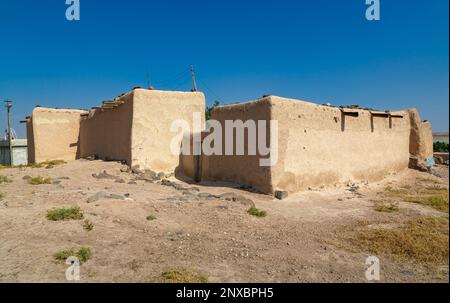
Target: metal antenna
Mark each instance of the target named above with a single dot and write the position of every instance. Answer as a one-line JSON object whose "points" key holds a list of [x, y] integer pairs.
{"points": [[194, 84], [8, 105]]}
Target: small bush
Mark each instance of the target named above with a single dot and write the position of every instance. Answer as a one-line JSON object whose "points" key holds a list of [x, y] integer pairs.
{"points": [[88, 225], [256, 212], [2, 195], [386, 207], [151, 217], [83, 254], [440, 147], [183, 277], [64, 214], [39, 180], [5, 179]]}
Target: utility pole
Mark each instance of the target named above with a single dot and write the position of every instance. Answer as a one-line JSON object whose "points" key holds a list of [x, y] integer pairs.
{"points": [[8, 105], [194, 84]]}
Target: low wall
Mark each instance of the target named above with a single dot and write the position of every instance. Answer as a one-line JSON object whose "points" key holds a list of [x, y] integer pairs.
{"points": [[19, 151], [106, 133], [54, 134]]}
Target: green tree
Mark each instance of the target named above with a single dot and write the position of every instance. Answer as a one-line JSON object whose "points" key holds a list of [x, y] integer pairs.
{"points": [[209, 109], [440, 147]]}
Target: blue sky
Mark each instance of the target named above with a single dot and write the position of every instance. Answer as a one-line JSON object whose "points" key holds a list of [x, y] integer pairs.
{"points": [[316, 50]]}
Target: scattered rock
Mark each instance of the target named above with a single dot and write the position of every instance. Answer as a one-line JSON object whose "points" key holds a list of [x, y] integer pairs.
{"points": [[207, 196], [26, 177], [177, 186], [104, 175], [228, 196], [246, 202], [281, 194], [132, 182], [125, 169], [115, 197], [63, 178], [97, 196], [161, 176], [353, 187], [120, 180], [56, 182], [136, 170]]}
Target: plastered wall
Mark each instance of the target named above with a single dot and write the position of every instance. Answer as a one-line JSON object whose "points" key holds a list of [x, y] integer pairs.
{"points": [[317, 145], [153, 114], [106, 133], [54, 134], [244, 169], [321, 145]]}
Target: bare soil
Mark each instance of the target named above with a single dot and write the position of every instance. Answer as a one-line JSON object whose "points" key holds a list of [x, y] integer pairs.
{"points": [[298, 241]]}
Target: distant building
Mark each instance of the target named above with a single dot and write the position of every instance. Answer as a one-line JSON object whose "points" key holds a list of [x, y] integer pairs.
{"points": [[19, 148]]}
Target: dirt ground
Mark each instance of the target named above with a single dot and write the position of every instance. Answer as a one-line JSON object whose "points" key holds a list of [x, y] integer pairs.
{"points": [[298, 240]]}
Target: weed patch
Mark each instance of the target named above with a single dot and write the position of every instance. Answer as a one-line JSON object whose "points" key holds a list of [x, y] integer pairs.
{"points": [[83, 254], [39, 180], [64, 214], [256, 212], [423, 240], [183, 277]]}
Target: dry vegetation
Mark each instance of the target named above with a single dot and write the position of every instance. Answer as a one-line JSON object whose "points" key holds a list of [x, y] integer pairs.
{"points": [[183, 277], [46, 164], [386, 207], [64, 214], [256, 212], [5, 179], [39, 180], [83, 254], [423, 240], [426, 192]]}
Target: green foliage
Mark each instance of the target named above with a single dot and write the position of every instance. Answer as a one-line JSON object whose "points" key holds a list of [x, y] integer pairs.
{"points": [[256, 212], [39, 180], [88, 225], [64, 214], [209, 109], [183, 277], [440, 147], [83, 254]]}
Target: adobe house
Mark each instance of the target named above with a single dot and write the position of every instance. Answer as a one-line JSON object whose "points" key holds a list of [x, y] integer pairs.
{"points": [[134, 128], [53, 134], [319, 145], [316, 145]]}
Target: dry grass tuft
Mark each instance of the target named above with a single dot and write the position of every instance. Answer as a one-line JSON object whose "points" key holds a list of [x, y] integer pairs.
{"points": [[88, 225], [5, 179], [64, 214], [423, 240], [433, 195], [36, 165], [83, 254], [39, 180], [183, 277], [386, 207]]}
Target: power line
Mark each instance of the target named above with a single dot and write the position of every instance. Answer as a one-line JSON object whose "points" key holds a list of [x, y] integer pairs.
{"points": [[210, 90], [174, 78]]}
